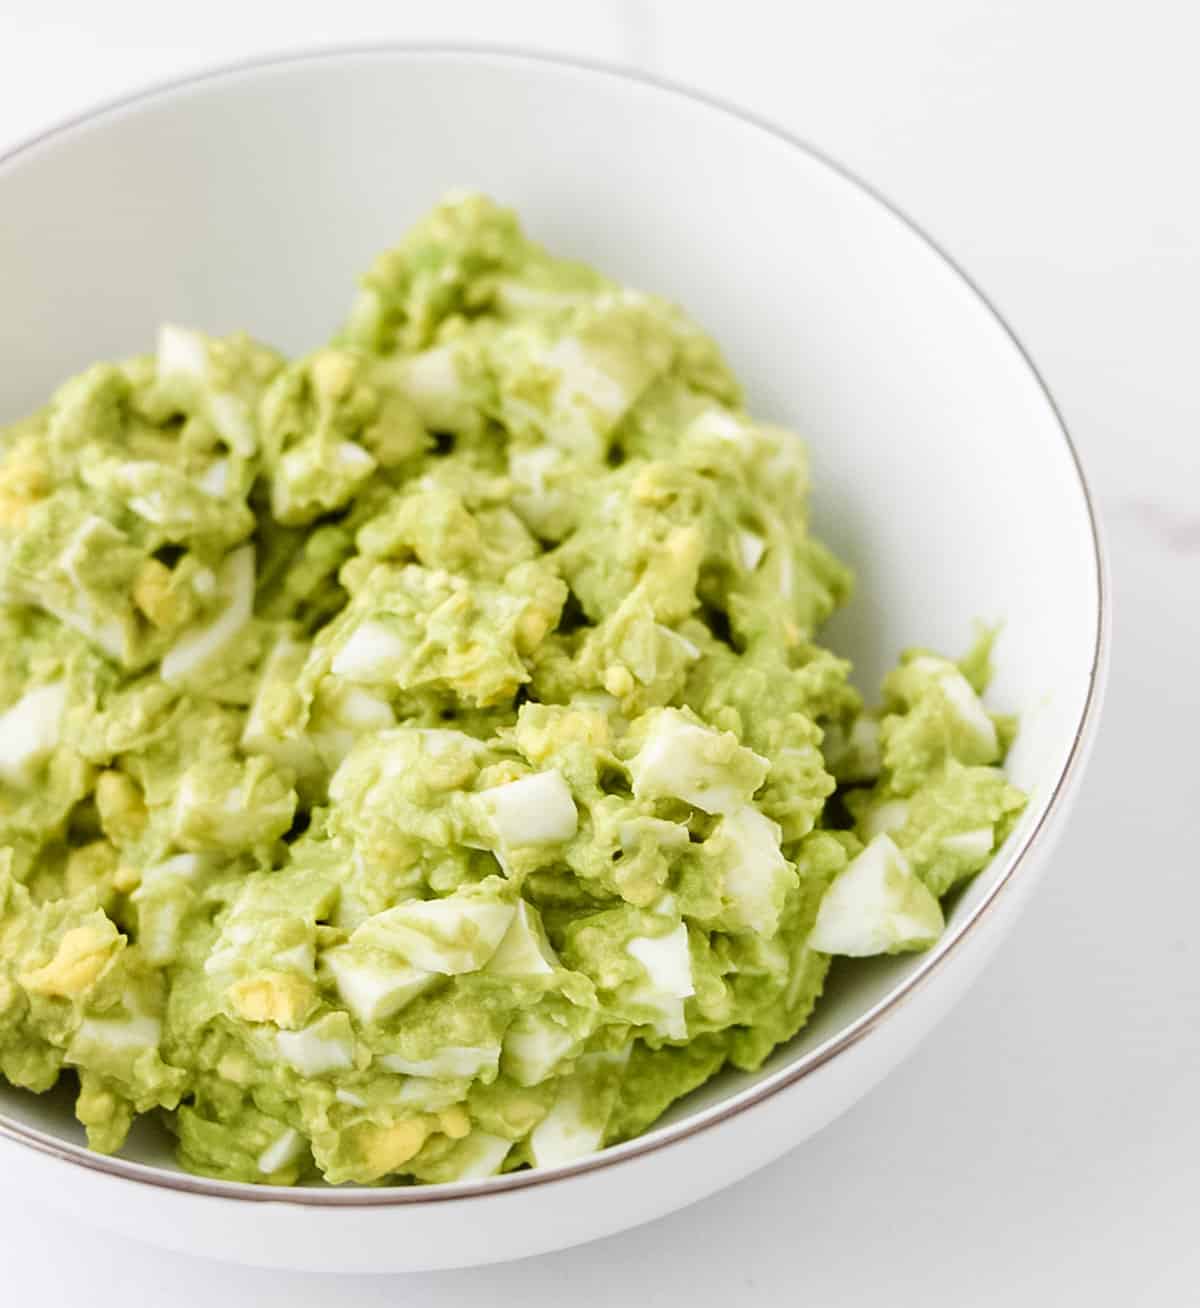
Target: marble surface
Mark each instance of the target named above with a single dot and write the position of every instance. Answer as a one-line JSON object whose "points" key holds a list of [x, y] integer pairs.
{"points": [[1045, 1142]]}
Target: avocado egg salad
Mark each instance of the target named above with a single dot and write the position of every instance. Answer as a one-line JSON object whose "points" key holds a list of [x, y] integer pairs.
{"points": [[417, 759]]}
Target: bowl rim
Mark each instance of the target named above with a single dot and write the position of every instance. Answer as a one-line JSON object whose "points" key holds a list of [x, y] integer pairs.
{"points": [[694, 1124]]}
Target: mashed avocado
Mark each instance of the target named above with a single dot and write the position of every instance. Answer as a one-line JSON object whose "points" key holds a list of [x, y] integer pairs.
{"points": [[416, 759]]}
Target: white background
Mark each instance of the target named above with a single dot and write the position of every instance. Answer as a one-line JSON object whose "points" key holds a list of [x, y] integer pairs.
{"points": [[1044, 1145]]}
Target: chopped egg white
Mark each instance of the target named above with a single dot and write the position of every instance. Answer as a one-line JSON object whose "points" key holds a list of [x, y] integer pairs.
{"points": [[214, 480], [353, 457], [451, 1061], [636, 832], [108, 635], [668, 966], [574, 1126], [181, 354], [690, 648], [364, 711], [524, 951], [751, 547], [876, 905], [530, 468], [667, 961], [970, 844], [480, 1155], [534, 1048], [313, 1054], [30, 732], [452, 935], [429, 1094], [883, 818], [280, 1152], [961, 696], [200, 643], [179, 867], [370, 654], [721, 425], [118, 1034], [676, 762], [757, 874], [231, 418], [439, 741], [372, 992], [580, 378], [434, 384], [535, 810]]}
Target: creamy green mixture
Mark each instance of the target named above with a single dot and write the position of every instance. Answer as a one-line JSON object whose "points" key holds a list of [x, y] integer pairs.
{"points": [[416, 759]]}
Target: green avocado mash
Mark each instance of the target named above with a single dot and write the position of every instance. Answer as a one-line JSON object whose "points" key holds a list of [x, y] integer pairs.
{"points": [[416, 759]]}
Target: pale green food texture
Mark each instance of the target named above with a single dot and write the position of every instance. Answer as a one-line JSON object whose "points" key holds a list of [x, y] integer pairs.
{"points": [[512, 524]]}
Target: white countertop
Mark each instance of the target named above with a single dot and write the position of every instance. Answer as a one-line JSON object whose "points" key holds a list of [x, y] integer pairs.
{"points": [[1044, 1144]]}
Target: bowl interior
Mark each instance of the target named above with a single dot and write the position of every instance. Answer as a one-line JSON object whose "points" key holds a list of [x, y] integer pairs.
{"points": [[251, 200]]}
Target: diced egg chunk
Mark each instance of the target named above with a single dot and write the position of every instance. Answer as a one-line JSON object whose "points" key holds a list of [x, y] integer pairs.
{"points": [[214, 480], [959, 691], [280, 1152], [574, 1126], [690, 649], [300, 958], [160, 917], [535, 810], [118, 1034], [514, 296], [882, 819], [259, 735], [363, 711], [439, 741], [581, 379], [371, 992], [200, 643], [676, 761], [480, 1155], [450, 936], [750, 548], [313, 1054], [636, 832], [524, 951], [463, 1062], [876, 905], [352, 458], [864, 742], [430, 1094], [758, 876], [534, 1048], [787, 571], [721, 425], [107, 634], [667, 962], [973, 844], [565, 1134], [30, 732], [530, 468], [961, 696], [434, 385], [371, 654], [231, 418], [181, 354], [179, 867]]}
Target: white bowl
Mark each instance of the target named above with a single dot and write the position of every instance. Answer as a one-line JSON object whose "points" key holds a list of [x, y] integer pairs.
{"points": [[252, 196]]}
